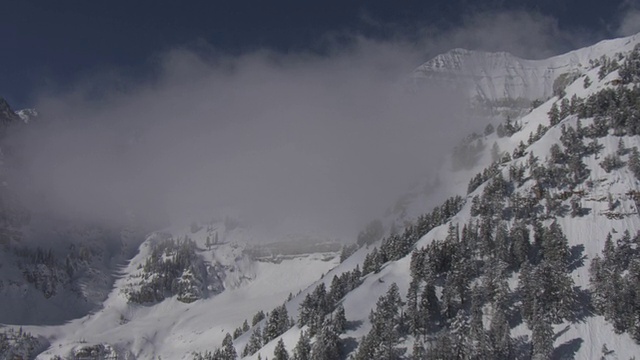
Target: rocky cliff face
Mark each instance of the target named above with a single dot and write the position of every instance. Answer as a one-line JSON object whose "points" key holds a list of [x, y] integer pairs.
{"points": [[7, 115]]}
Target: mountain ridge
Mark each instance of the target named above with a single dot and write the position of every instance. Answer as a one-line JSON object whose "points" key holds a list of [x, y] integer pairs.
{"points": [[493, 76]]}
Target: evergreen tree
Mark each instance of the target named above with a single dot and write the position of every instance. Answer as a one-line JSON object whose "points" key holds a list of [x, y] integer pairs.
{"points": [[634, 162], [385, 322], [461, 345], [412, 305], [367, 348], [372, 262], [429, 309], [347, 250], [477, 334], [500, 336], [526, 287], [554, 291], [554, 115], [576, 207], [495, 285], [337, 290], [280, 352], [259, 316], [254, 344], [488, 130], [277, 324], [541, 336], [228, 351], [443, 349], [339, 319], [313, 309], [597, 280], [557, 156], [449, 306], [502, 243], [555, 246], [327, 345], [519, 151], [611, 162], [521, 247], [302, 351], [621, 150]]}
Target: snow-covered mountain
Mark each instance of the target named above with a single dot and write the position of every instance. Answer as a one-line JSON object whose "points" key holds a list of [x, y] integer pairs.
{"points": [[235, 288], [500, 76], [502, 268], [511, 164]]}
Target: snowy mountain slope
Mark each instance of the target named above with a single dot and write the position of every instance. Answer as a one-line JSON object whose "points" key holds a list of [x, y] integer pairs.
{"points": [[502, 78], [174, 329], [44, 285], [41, 284], [591, 336], [496, 76]]}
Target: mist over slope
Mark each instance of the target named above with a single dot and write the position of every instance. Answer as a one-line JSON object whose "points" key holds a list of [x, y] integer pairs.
{"points": [[524, 269], [223, 197], [300, 140], [537, 198]]}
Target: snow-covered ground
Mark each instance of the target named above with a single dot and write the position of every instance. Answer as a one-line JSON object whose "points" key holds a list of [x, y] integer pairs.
{"points": [[174, 329]]}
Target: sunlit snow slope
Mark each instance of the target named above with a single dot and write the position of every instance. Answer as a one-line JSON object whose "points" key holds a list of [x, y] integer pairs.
{"points": [[501, 75]]}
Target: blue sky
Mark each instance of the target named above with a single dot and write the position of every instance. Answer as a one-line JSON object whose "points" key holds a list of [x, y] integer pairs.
{"points": [[51, 44]]}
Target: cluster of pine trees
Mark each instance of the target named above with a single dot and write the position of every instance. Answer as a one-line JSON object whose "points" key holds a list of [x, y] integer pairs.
{"points": [[18, 344], [226, 352], [387, 326], [278, 322], [512, 233], [397, 246], [172, 268], [612, 108], [42, 269], [615, 281], [471, 270]]}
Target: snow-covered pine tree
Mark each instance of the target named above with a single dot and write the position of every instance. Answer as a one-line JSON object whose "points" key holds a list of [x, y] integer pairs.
{"points": [[302, 351], [339, 319], [228, 351], [254, 344], [327, 345], [280, 352]]}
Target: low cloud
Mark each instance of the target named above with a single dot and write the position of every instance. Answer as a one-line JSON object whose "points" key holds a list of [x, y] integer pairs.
{"points": [[324, 141], [630, 20]]}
